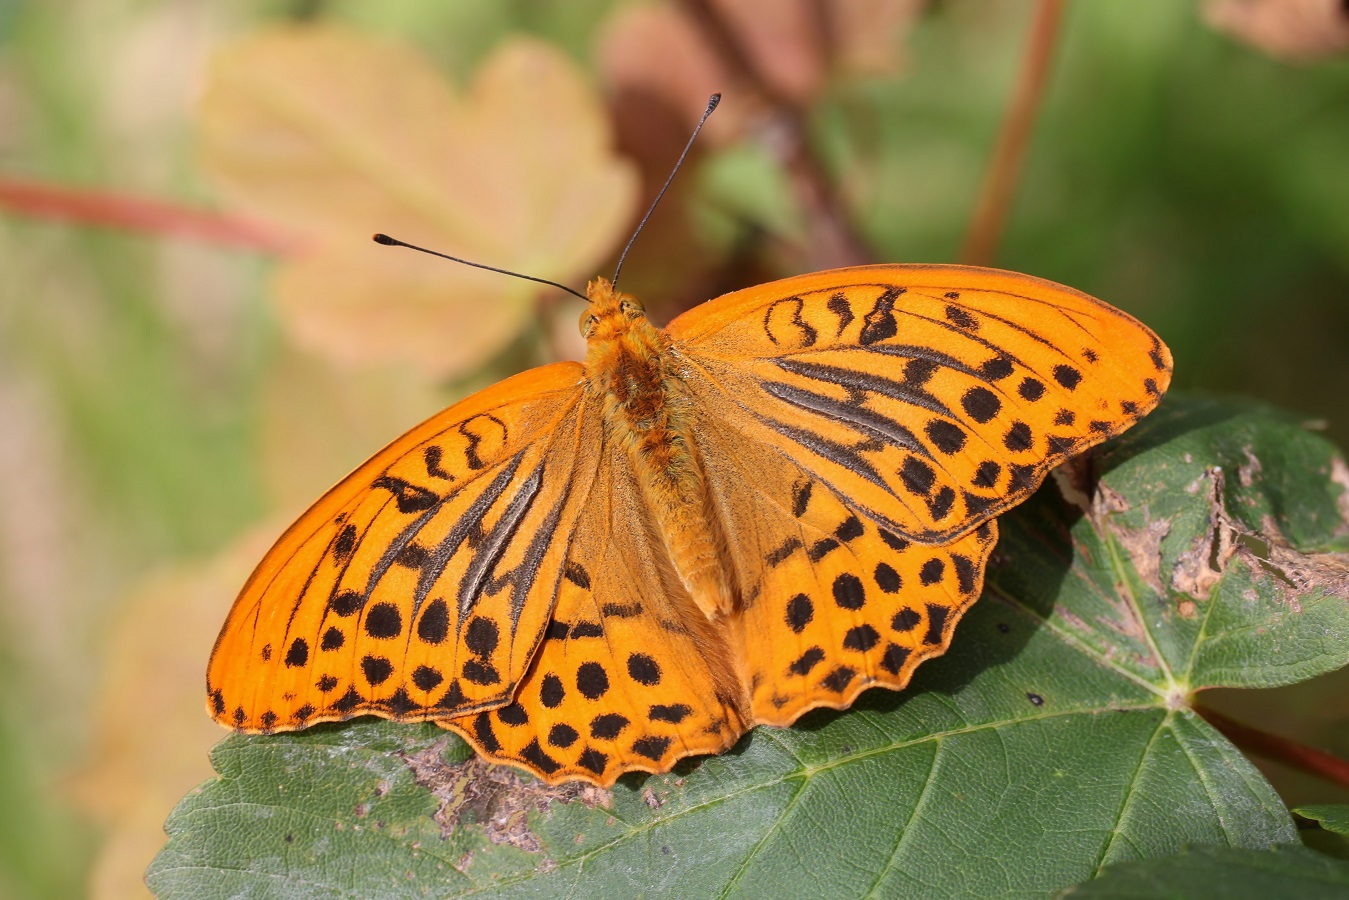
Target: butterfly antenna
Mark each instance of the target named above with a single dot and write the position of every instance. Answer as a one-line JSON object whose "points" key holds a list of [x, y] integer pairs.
{"points": [[395, 242], [711, 105]]}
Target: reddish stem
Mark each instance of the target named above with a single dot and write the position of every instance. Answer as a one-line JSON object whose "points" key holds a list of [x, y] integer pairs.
{"points": [[1279, 749], [110, 210], [1005, 164]]}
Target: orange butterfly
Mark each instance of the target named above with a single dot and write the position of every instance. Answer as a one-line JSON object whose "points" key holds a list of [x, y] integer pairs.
{"points": [[786, 497]]}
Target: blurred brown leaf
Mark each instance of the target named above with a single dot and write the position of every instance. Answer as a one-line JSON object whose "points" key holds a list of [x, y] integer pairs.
{"points": [[789, 51], [152, 733], [1291, 30], [339, 135], [771, 61]]}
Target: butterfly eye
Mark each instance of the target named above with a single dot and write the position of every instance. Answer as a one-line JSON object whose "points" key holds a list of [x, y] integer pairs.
{"points": [[587, 323], [631, 309]]}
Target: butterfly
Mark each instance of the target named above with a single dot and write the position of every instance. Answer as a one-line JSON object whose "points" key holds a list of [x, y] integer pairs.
{"points": [[787, 496]]}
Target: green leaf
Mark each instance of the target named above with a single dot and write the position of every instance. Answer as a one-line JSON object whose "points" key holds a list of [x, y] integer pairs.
{"points": [[1207, 872], [1056, 738], [1332, 838], [1331, 816]]}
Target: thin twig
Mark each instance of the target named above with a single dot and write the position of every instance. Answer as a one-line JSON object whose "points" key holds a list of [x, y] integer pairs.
{"points": [[110, 210], [1280, 749], [1004, 166], [832, 241]]}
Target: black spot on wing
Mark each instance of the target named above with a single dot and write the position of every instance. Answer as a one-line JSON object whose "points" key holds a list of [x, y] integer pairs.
{"points": [[801, 500], [475, 430], [946, 436], [534, 755], [850, 529], [653, 748], [427, 678], [673, 713], [981, 404], [584, 629], [936, 622], [800, 613], [577, 575], [1067, 376], [780, 555], [849, 592], [879, 323], [383, 621], [481, 636], [348, 700], [432, 456], [591, 680], [434, 625], [806, 661], [839, 306], [298, 654], [986, 475], [608, 726], [408, 497], [961, 318], [822, 548], [345, 543]]}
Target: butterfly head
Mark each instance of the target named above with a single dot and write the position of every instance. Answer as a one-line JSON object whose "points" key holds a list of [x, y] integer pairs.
{"points": [[611, 312]]}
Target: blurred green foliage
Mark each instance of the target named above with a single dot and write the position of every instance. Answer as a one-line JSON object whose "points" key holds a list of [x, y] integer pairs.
{"points": [[1174, 172]]}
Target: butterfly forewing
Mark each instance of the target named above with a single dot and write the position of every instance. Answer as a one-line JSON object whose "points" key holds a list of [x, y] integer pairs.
{"points": [[934, 397], [421, 584]]}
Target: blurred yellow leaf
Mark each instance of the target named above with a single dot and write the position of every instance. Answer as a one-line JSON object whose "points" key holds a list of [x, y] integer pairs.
{"points": [[152, 733], [339, 135], [319, 421]]}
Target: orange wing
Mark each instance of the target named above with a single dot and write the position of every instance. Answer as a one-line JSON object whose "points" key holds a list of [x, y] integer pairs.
{"points": [[418, 587], [933, 397], [631, 675], [859, 430], [831, 602]]}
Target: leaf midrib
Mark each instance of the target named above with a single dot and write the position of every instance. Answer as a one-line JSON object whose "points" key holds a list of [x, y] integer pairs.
{"points": [[806, 774]]}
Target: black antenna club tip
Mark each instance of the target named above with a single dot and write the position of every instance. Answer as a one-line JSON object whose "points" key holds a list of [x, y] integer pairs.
{"points": [[713, 101], [383, 239]]}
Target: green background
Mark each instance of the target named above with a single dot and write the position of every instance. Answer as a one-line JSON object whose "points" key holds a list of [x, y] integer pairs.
{"points": [[1184, 176]]}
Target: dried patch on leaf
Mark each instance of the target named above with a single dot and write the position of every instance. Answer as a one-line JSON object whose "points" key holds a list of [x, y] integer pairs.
{"points": [[1144, 548], [1201, 566], [1266, 552], [497, 798], [1248, 472], [1302, 572], [1105, 502], [1339, 474]]}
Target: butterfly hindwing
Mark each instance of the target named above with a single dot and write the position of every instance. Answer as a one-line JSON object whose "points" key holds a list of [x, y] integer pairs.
{"points": [[933, 396], [831, 602], [630, 675], [420, 585]]}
